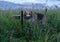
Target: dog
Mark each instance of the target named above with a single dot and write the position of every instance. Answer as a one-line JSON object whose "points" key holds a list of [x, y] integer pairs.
{"points": [[32, 16], [28, 16]]}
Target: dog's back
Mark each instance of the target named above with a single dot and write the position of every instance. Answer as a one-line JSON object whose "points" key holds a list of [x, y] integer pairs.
{"points": [[39, 16]]}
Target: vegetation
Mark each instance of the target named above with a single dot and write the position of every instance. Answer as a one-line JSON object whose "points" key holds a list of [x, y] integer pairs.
{"points": [[11, 31]]}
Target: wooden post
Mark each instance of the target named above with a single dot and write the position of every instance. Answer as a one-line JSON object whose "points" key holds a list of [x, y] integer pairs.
{"points": [[22, 19], [45, 10]]}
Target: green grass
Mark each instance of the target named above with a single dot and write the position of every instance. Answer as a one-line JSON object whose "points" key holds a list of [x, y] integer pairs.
{"points": [[11, 31]]}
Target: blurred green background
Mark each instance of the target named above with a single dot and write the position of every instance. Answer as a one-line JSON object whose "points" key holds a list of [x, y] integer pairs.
{"points": [[11, 31]]}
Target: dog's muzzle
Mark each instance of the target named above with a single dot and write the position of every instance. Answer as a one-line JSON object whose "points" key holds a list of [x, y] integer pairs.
{"points": [[27, 17]]}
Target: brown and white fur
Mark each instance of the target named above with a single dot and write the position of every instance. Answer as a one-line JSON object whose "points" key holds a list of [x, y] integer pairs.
{"points": [[34, 16]]}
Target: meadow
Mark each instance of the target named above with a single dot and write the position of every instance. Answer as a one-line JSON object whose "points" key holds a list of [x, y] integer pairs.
{"points": [[11, 31]]}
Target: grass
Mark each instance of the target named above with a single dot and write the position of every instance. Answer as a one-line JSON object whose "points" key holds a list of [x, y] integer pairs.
{"points": [[11, 31]]}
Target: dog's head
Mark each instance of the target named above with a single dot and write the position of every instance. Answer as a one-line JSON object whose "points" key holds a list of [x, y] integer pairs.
{"points": [[27, 14]]}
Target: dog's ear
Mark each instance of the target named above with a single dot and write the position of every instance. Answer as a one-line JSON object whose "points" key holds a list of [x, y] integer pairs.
{"points": [[34, 15], [24, 13]]}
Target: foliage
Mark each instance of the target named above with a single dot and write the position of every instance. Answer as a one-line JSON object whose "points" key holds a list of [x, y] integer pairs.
{"points": [[11, 31]]}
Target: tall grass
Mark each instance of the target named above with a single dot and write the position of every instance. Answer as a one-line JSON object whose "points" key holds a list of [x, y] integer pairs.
{"points": [[11, 31]]}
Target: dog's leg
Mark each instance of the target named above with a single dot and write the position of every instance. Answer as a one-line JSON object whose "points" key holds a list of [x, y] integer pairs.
{"points": [[44, 20]]}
